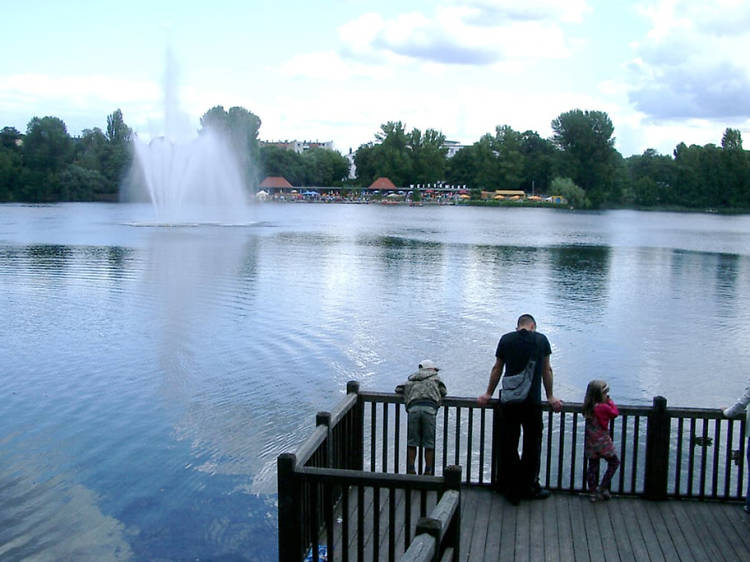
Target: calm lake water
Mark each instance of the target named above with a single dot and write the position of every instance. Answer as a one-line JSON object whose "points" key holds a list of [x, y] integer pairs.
{"points": [[150, 375]]}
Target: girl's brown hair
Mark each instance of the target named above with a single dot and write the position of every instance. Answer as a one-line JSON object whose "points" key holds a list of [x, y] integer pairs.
{"points": [[594, 395]]}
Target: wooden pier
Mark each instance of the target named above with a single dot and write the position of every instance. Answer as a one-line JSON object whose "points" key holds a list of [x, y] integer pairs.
{"points": [[677, 493]]}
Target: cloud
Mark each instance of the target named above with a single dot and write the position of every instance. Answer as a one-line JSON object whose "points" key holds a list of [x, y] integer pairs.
{"points": [[721, 91], [81, 90], [692, 62], [476, 33], [497, 12]]}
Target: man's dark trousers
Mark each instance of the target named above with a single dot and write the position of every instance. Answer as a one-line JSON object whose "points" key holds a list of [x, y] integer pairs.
{"points": [[519, 476]]}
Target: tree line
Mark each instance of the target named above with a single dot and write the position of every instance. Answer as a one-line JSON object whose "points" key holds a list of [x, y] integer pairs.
{"points": [[579, 161]]}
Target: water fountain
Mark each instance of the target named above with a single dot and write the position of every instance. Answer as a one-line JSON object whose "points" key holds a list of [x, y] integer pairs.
{"points": [[189, 178]]}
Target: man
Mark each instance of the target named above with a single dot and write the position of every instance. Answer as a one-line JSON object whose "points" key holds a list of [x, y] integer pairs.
{"points": [[520, 476]]}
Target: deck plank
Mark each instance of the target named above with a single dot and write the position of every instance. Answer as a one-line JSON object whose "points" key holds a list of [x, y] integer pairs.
{"points": [[569, 527]]}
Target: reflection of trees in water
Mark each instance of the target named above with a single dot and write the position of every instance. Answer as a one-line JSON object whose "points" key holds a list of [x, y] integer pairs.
{"points": [[580, 274]]}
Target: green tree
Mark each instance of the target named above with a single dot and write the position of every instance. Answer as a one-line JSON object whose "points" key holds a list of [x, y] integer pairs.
{"points": [[364, 162], [392, 158], [324, 168], [461, 167], [117, 131], [586, 137], [487, 171], [82, 184], [540, 158], [736, 170], [240, 128], [90, 148], [652, 179], [47, 145], [275, 161], [11, 163], [510, 161], [47, 150], [575, 194], [428, 156]]}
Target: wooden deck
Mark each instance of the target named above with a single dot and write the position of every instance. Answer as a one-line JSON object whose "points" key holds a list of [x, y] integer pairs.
{"points": [[570, 527]]}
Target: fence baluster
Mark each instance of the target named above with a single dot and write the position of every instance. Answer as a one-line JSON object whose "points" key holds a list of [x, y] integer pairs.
{"points": [[548, 460], [704, 453], [743, 466], [385, 438], [397, 435], [468, 445], [373, 426], [445, 437], [481, 444], [573, 451], [636, 438], [678, 462], [345, 525], [715, 468], [561, 450], [457, 444], [728, 459]]}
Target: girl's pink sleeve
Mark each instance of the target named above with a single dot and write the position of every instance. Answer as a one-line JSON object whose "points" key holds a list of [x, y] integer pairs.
{"points": [[613, 408], [605, 411]]}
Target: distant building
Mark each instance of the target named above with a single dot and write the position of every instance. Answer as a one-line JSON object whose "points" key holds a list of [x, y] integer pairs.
{"points": [[299, 146], [453, 147]]}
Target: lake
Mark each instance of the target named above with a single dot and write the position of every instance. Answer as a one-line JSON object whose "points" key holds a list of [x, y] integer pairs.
{"points": [[152, 374]]}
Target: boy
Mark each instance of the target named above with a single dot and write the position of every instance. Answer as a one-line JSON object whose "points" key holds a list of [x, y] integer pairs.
{"points": [[423, 392]]}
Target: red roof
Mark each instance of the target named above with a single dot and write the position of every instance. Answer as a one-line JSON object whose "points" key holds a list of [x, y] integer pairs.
{"points": [[382, 183], [275, 181]]}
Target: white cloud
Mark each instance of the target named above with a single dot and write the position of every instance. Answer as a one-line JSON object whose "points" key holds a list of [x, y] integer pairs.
{"points": [[492, 12], [478, 33], [80, 90], [692, 63]]}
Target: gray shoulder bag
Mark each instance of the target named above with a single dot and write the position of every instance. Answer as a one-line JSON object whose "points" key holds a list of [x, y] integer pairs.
{"points": [[515, 388]]}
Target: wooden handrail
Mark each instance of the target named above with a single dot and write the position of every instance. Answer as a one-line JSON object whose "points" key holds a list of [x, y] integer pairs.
{"points": [[432, 530]]}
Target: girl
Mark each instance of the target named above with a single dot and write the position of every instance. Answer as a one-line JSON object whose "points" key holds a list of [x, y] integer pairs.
{"points": [[598, 409]]}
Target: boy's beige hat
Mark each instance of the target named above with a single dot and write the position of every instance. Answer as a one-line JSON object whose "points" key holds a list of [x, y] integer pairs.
{"points": [[428, 364]]}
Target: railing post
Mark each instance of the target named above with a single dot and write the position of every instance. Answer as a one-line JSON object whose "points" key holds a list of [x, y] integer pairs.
{"points": [[452, 479], [357, 437], [657, 451], [290, 522], [496, 436], [324, 418]]}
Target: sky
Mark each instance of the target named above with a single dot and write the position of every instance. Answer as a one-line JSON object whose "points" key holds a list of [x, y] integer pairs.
{"points": [[665, 71]]}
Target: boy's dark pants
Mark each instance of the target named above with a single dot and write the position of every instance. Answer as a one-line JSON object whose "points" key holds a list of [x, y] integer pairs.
{"points": [[517, 476]]}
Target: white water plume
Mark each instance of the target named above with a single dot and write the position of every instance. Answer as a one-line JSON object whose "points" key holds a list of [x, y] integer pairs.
{"points": [[189, 177]]}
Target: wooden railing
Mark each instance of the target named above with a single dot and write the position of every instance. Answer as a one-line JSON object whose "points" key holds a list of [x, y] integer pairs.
{"points": [[438, 536], [326, 498], [664, 452], [357, 451]]}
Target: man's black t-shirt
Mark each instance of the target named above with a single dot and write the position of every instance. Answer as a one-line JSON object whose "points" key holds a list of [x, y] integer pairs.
{"points": [[516, 348]]}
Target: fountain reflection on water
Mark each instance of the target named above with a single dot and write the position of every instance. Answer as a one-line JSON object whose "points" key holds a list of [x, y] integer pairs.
{"points": [[189, 178]]}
